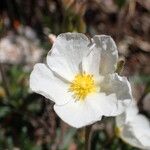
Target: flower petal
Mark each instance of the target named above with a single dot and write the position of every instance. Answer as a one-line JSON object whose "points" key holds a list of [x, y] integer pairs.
{"points": [[106, 105], [128, 136], [77, 113], [145, 138], [82, 113], [91, 63], [118, 85], [135, 136], [126, 132], [109, 53], [72, 47], [43, 81], [134, 127], [141, 127], [60, 67]]}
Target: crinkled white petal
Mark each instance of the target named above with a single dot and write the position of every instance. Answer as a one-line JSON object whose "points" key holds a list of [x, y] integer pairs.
{"points": [[145, 138], [140, 121], [72, 47], [81, 113], [128, 136], [137, 137], [106, 105], [109, 53], [61, 68], [43, 81], [129, 114], [131, 111], [116, 84], [141, 127], [134, 127], [91, 63], [143, 134]]}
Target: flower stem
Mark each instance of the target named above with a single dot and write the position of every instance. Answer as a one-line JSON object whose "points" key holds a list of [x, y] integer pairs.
{"points": [[88, 137]]}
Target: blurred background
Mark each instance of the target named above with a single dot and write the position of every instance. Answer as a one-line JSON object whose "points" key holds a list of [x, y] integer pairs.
{"points": [[27, 31]]}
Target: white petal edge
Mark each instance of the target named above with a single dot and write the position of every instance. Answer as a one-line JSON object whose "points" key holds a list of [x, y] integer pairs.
{"points": [[128, 136], [61, 68], [82, 113], [141, 127], [43, 81], [109, 53], [78, 113], [107, 105], [134, 127], [113, 83], [91, 63], [72, 47]]}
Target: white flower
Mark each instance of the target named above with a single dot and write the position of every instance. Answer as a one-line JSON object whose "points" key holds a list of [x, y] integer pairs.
{"points": [[134, 128], [79, 77]]}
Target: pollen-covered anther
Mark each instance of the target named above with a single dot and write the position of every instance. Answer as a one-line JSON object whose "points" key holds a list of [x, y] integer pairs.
{"points": [[82, 85]]}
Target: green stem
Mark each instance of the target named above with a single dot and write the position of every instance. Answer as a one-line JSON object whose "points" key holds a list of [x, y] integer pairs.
{"points": [[88, 137]]}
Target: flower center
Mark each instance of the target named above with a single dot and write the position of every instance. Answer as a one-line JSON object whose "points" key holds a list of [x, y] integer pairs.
{"points": [[82, 85]]}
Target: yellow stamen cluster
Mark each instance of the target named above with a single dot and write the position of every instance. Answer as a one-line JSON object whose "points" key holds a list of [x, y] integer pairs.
{"points": [[82, 85]]}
